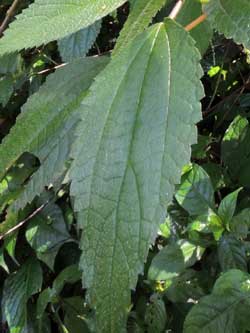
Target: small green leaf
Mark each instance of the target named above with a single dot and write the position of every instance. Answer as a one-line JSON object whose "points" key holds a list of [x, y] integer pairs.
{"points": [[207, 223], [21, 285], [215, 224], [195, 193], [173, 259], [70, 274], [2, 261], [165, 229], [46, 233], [10, 242], [227, 207], [45, 297]]}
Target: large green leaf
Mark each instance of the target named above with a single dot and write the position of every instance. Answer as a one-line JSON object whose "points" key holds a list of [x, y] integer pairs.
{"points": [[141, 15], [230, 18], [226, 309], [46, 20], [131, 146], [18, 288], [45, 125]]}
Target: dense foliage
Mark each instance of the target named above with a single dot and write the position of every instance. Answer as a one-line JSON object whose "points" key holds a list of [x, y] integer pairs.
{"points": [[124, 166]]}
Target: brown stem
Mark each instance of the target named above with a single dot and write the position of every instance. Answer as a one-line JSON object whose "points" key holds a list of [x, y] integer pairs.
{"points": [[196, 22], [175, 11], [20, 224], [9, 14]]}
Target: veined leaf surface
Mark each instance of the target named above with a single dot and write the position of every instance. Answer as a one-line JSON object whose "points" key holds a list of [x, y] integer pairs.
{"points": [[138, 123], [230, 18], [141, 15]]}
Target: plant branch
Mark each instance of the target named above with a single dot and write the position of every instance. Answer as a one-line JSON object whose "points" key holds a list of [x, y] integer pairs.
{"points": [[237, 93], [243, 88], [20, 224], [9, 14], [196, 22], [175, 11], [50, 69]]}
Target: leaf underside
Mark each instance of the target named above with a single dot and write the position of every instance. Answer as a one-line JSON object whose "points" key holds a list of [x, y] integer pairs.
{"points": [[138, 124]]}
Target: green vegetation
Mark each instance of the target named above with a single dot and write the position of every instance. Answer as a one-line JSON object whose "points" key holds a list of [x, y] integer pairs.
{"points": [[124, 166]]}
